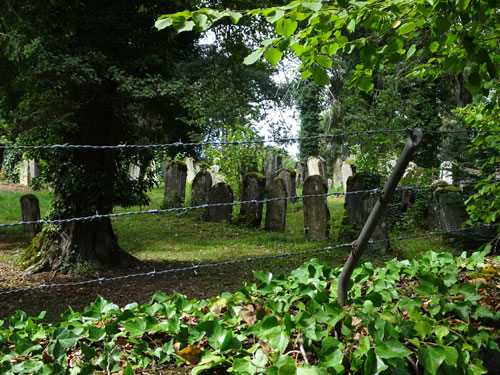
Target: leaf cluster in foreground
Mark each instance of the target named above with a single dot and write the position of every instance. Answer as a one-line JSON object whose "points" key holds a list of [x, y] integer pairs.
{"points": [[409, 315]]}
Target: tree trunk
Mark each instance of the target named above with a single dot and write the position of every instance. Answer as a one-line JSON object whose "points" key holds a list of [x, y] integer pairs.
{"points": [[78, 242]]}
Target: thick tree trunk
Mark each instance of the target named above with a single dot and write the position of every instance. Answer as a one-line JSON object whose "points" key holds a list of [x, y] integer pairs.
{"points": [[91, 242]]}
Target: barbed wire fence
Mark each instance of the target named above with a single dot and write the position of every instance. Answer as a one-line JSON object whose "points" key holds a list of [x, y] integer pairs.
{"points": [[154, 273]]}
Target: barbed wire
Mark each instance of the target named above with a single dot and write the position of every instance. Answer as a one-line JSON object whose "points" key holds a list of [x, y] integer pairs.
{"points": [[221, 143], [205, 206], [197, 267]]}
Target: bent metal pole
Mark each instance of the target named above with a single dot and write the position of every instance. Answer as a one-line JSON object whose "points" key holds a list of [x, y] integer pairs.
{"points": [[413, 141]]}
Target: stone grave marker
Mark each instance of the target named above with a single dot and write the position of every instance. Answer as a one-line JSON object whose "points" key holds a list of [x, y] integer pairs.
{"points": [[347, 171], [289, 175], [217, 176], [192, 169], [220, 193], [134, 171], [175, 173], [301, 172], [357, 208], [30, 209], [202, 183], [447, 209], [316, 212], [276, 210], [254, 188], [272, 164], [316, 165]]}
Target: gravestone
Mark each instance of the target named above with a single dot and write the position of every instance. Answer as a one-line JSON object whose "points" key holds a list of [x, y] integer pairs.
{"points": [[316, 165], [301, 172], [276, 210], [447, 209], [30, 209], [445, 172], [316, 212], [200, 188], [347, 171], [357, 208], [337, 181], [254, 188], [289, 175], [174, 173], [220, 193], [192, 169], [271, 166], [24, 171], [134, 171]]}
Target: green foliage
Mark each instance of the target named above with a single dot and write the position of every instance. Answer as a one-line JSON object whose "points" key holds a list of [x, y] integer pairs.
{"points": [[236, 160], [309, 107], [419, 311], [10, 165]]}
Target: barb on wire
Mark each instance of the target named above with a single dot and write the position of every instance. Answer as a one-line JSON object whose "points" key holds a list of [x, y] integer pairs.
{"points": [[191, 144], [197, 267]]}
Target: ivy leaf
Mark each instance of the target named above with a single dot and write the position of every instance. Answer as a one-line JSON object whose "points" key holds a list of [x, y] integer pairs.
{"points": [[391, 349], [273, 55], [374, 364], [431, 358], [423, 328]]}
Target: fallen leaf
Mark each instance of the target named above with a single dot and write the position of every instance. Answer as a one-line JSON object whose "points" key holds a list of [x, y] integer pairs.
{"points": [[478, 280], [190, 354], [248, 316], [489, 271]]}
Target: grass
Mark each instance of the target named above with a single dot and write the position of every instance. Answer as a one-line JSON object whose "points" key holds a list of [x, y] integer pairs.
{"points": [[183, 239]]}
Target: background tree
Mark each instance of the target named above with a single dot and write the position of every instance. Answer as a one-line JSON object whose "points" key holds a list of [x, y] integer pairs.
{"points": [[97, 73]]}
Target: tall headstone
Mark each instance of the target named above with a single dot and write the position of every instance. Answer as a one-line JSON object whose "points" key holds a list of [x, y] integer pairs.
{"points": [[337, 175], [357, 208], [192, 169], [202, 183], [301, 172], [316, 212], [316, 165], [30, 209], [276, 210], [175, 173], [445, 173], [447, 209], [134, 171], [220, 193], [254, 188], [28, 170], [289, 175], [347, 171], [272, 164]]}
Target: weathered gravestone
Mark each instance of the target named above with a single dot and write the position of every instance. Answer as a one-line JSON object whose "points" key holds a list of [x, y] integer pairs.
{"points": [[192, 169], [289, 175], [337, 175], [134, 171], [316, 212], [301, 172], [30, 209], [220, 193], [447, 209], [347, 171], [28, 171], [316, 165], [272, 164], [200, 188], [276, 210], [216, 174], [174, 173], [254, 188], [357, 208]]}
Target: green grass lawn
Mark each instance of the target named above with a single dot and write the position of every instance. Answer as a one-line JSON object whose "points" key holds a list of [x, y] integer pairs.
{"points": [[182, 238]]}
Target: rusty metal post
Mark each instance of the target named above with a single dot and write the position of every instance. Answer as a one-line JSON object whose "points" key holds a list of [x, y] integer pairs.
{"points": [[359, 245]]}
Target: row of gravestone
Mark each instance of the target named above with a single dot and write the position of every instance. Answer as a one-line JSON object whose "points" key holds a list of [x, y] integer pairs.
{"points": [[219, 198]]}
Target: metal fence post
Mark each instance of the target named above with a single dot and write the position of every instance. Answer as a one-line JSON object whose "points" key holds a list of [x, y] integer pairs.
{"points": [[411, 144]]}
